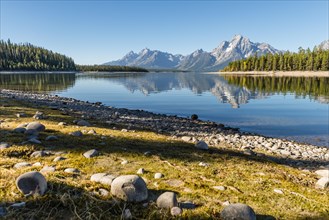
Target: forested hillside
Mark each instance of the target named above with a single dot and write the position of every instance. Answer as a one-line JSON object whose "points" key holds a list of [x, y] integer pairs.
{"points": [[304, 60], [29, 57]]}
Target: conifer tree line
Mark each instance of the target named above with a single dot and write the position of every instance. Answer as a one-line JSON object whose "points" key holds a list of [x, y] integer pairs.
{"points": [[304, 60], [29, 57]]}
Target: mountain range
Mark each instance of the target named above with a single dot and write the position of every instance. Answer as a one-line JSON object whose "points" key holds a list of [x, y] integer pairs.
{"points": [[238, 48]]}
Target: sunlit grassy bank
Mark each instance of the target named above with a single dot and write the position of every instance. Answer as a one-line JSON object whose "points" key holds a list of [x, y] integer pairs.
{"points": [[247, 179]]}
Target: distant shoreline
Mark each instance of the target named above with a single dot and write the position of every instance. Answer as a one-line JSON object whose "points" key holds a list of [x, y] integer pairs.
{"points": [[35, 71], [280, 73]]}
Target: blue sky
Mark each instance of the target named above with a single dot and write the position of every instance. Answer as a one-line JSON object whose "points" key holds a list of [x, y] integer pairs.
{"points": [[94, 32]]}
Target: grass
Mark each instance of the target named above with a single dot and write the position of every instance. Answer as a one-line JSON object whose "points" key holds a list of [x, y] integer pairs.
{"points": [[248, 179]]}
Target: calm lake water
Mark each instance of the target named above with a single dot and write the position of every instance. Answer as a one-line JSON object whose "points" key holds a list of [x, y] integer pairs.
{"points": [[295, 108]]}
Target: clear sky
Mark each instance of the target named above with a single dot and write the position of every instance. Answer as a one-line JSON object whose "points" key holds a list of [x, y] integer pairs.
{"points": [[94, 32]]}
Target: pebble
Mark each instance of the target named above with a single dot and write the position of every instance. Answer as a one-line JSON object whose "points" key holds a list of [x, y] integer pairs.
{"points": [[83, 123], [4, 145], [37, 164], [36, 126], [202, 145], [47, 169], [72, 170], [175, 211], [76, 133], [40, 153], [90, 153], [167, 200], [51, 138], [278, 191], [22, 164], [140, 171], [158, 175], [62, 123], [32, 183], [238, 211], [59, 158], [34, 141], [322, 183], [103, 192], [323, 173], [18, 205], [124, 162], [130, 188], [103, 178], [203, 164], [221, 188]]}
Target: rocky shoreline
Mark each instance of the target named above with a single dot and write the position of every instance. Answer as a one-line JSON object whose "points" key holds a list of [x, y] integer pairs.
{"points": [[186, 129]]}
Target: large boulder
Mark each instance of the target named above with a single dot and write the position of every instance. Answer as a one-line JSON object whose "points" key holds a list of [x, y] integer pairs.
{"points": [[36, 126], [167, 200], [238, 211], [32, 183], [130, 188]]}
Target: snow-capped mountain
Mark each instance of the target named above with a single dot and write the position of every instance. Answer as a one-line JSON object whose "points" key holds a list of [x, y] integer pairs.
{"points": [[149, 59], [324, 45], [238, 48]]}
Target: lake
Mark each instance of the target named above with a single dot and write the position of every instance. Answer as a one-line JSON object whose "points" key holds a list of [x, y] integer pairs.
{"points": [[296, 108]]}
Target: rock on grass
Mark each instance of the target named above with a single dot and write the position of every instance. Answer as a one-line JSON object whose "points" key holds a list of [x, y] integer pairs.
{"points": [[130, 188], [238, 211], [32, 183]]}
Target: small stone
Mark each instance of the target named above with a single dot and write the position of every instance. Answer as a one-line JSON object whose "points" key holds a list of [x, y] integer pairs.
{"points": [[59, 158], [90, 153], [248, 152], [4, 145], [91, 132], [322, 173], [103, 178], [124, 130], [130, 188], [22, 164], [83, 123], [62, 123], [103, 192], [285, 152], [158, 175], [140, 171], [147, 153], [238, 211], [278, 191], [20, 115], [202, 145], [51, 138], [72, 170], [36, 126], [48, 169], [186, 138], [40, 153], [226, 203], [20, 130], [194, 117], [175, 211], [221, 188], [76, 133], [203, 164], [322, 183], [127, 214], [32, 183], [167, 200], [124, 162], [37, 164], [34, 141]]}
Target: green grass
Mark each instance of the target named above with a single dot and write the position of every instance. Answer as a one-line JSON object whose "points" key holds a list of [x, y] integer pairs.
{"points": [[248, 179]]}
